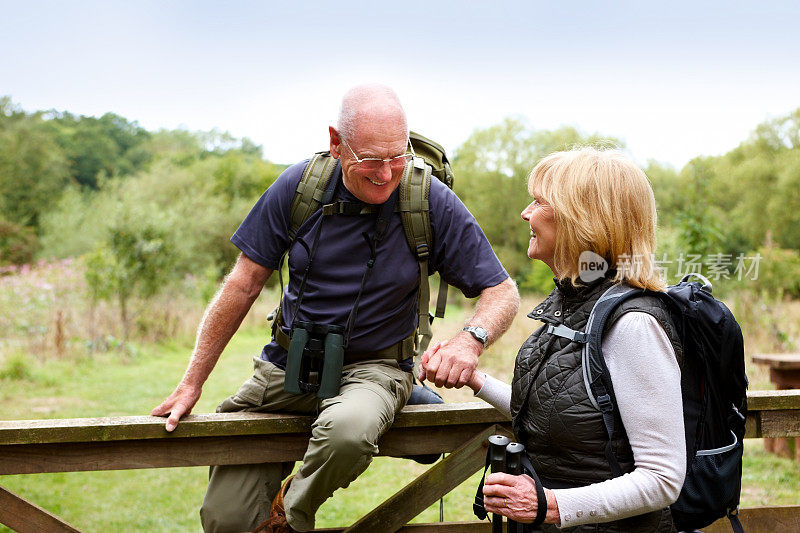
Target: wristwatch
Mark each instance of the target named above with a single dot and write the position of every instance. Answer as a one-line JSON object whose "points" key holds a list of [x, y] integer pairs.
{"points": [[479, 333]]}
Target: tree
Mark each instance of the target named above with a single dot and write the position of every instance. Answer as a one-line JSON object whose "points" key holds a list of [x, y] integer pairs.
{"points": [[664, 180], [491, 170], [17, 243], [698, 223], [97, 147], [754, 187], [133, 261], [33, 168]]}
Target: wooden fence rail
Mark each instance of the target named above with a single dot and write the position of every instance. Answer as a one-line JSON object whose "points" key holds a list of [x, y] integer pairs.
{"points": [[116, 443]]}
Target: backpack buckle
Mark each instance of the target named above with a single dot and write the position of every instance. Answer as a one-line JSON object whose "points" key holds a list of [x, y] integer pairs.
{"points": [[422, 251], [605, 404]]}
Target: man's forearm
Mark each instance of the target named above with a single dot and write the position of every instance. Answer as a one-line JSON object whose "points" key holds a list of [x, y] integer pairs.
{"points": [[496, 309], [222, 318]]}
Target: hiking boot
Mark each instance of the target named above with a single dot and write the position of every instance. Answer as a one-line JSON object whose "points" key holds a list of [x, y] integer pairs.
{"points": [[276, 523]]}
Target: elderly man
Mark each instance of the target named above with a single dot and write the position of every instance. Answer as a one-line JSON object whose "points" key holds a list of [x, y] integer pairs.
{"points": [[327, 261]]}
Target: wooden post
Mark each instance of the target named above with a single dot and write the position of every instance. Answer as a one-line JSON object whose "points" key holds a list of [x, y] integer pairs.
{"points": [[420, 494], [25, 517]]}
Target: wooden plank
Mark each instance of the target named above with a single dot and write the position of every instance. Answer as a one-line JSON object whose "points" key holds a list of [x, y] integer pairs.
{"points": [[226, 424], [204, 451], [149, 427], [151, 453], [25, 517], [762, 520], [437, 481], [768, 424], [221, 424], [448, 414], [754, 520], [424, 440], [473, 526], [786, 361], [785, 378], [780, 423], [772, 400]]}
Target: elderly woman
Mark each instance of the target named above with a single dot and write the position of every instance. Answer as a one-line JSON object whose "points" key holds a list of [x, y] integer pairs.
{"points": [[587, 200]]}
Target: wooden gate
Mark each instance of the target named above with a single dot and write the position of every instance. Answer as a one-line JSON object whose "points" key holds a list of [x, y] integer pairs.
{"points": [[460, 430]]}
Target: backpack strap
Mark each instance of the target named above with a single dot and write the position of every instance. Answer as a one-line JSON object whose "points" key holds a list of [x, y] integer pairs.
{"points": [[595, 372], [434, 155], [415, 189], [308, 196], [733, 517], [307, 199]]}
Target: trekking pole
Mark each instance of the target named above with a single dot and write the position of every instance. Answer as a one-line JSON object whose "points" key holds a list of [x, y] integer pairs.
{"points": [[497, 460], [514, 453]]}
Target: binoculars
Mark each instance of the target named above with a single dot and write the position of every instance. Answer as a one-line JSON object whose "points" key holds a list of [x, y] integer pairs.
{"points": [[316, 356], [505, 456]]}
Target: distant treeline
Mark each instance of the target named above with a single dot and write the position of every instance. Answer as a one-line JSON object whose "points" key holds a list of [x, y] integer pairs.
{"points": [[146, 209], [734, 218]]}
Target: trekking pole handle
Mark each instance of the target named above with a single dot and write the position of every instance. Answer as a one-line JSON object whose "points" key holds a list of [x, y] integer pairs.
{"points": [[497, 460], [514, 453]]}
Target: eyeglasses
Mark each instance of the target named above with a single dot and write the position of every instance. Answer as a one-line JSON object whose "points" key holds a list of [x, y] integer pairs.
{"points": [[397, 162]]}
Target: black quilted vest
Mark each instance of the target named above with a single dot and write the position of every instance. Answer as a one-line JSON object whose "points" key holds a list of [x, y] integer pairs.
{"points": [[552, 415]]}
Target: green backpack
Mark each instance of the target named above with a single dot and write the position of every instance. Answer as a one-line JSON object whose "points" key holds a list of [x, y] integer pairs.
{"points": [[412, 204]]}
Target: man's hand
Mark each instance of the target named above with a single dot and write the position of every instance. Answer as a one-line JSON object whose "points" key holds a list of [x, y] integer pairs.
{"points": [[451, 363], [177, 404]]}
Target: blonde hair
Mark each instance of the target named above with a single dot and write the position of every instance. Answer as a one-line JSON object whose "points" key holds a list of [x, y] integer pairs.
{"points": [[602, 203]]}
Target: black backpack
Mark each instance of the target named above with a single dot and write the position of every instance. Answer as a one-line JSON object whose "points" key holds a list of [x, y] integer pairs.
{"points": [[714, 390]]}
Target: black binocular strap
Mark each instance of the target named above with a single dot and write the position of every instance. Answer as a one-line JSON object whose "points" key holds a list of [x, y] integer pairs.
{"points": [[479, 509], [381, 225], [385, 213]]}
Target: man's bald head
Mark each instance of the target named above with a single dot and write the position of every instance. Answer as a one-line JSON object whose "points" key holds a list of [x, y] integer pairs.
{"points": [[372, 125], [369, 103]]}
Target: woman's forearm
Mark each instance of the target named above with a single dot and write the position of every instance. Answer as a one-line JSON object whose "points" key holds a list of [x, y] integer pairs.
{"points": [[492, 391]]}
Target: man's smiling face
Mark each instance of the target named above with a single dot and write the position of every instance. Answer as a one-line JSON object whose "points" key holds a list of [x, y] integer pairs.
{"points": [[377, 134]]}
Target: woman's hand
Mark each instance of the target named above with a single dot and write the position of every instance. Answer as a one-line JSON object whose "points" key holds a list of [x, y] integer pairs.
{"points": [[515, 498]]}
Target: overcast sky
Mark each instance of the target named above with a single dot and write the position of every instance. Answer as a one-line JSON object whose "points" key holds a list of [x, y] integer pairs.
{"points": [[673, 79]]}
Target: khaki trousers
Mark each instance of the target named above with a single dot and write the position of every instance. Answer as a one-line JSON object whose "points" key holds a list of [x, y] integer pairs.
{"points": [[344, 438]]}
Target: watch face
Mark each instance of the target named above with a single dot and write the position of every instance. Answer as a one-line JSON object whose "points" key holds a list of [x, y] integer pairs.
{"points": [[479, 333]]}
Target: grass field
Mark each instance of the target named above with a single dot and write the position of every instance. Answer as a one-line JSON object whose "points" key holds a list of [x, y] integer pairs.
{"points": [[134, 381]]}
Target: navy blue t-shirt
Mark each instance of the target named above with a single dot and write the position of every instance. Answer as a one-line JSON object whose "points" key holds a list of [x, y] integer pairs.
{"points": [[387, 311]]}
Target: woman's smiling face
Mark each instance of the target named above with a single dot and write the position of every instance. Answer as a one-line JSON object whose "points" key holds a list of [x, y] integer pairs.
{"points": [[539, 215]]}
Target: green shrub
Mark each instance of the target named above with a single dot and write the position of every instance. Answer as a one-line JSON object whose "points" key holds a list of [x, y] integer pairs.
{"points": [[778, 273], [538, 279], [16, 367], [136, 259], [17, 243]]}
